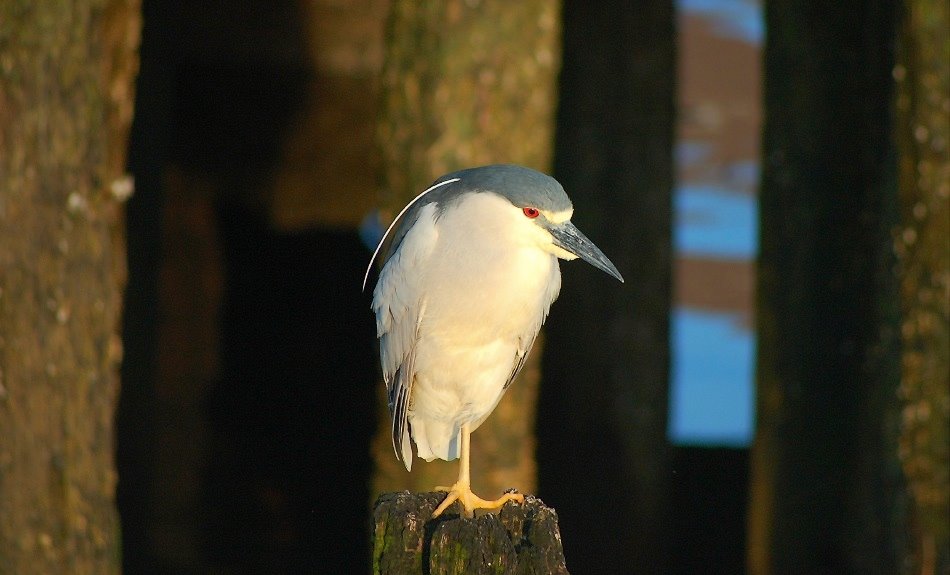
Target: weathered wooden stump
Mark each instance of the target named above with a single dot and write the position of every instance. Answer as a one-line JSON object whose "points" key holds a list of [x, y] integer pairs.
{"points": [[521, 539]]}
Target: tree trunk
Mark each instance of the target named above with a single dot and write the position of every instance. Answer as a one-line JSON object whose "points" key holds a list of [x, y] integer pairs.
{"points": [[65, 109], [824, 493], [603, 452], [467, 85], [922, 244]]}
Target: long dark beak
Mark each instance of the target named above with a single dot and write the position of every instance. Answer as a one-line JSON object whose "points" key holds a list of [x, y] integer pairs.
{"points": [[569, 238]]}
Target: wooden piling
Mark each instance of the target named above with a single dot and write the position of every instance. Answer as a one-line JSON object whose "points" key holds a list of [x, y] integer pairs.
{"points": [[519, 539]]}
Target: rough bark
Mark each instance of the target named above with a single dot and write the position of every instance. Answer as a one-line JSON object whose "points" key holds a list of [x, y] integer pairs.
{"points": [[603, 452], [922, 243], [521, 539], [825, 496], [466, 85], [65, 107]]}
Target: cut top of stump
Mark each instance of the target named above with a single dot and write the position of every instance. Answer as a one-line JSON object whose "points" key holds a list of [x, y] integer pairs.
{"points": [[521, 539]]}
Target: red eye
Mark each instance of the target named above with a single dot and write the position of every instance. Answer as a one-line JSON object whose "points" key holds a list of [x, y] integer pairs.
{"points": [[531, 212]]}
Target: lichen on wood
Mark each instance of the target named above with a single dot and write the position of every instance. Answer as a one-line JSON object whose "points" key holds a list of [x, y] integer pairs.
{"points": [[922, 246], [520, 539]]}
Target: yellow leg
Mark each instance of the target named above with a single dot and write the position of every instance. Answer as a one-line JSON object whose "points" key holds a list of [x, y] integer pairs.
{"points": [[462, 490]]}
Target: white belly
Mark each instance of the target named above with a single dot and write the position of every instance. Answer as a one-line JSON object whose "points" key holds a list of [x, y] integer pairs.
{"points": [[470, 342]]}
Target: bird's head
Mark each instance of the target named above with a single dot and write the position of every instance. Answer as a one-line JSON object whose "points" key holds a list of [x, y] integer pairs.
{"points": [[540, 209], [533, 207]]}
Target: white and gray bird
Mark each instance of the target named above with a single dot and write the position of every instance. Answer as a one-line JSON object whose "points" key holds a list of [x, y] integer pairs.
{"points": [[468, 279]]}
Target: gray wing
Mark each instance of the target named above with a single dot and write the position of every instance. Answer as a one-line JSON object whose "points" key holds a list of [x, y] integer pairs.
{"points": [[399, 305]]}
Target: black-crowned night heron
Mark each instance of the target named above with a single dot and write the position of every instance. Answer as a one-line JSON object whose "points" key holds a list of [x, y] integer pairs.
{"points": [[467, 282]]}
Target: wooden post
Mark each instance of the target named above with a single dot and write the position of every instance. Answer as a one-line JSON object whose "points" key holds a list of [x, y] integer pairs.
{"points": [[67, 77], [520, 539]]}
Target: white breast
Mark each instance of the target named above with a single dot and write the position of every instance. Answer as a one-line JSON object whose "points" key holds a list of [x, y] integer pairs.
{"points": [[488, 289]]}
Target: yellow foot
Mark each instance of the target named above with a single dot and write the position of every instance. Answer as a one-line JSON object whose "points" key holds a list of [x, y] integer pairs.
{"points": [[470, 502]]}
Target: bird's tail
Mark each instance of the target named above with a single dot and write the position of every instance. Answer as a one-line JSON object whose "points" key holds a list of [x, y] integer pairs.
{"points": [[435, 439]]}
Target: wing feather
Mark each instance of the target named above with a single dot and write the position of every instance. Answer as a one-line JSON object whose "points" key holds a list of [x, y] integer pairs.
{"points": [[399, 305]]}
